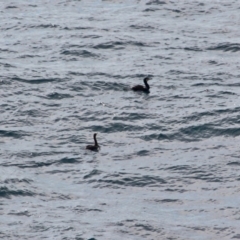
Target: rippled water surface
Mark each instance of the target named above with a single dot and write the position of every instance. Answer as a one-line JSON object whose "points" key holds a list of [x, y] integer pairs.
{"points": [[168, 167]]}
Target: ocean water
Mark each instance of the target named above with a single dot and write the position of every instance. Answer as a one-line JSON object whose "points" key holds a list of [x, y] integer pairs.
{"points": [[168, 167]]}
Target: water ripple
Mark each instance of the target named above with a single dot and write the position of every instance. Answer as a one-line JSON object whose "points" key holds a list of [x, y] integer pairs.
{"points": [[168, 167]]}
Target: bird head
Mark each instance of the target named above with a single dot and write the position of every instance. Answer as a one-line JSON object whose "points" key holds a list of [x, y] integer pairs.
{"points": [[147, 78]]}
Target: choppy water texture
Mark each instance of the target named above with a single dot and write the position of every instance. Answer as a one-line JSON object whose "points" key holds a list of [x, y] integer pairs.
{"points": [[169, 163]]}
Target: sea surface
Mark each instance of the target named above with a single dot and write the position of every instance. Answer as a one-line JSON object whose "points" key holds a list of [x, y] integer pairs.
{"points": [[169, 163]]}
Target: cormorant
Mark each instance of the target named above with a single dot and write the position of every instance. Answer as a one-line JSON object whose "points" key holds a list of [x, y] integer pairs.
{"points": [[142, 88], [94, 147]]}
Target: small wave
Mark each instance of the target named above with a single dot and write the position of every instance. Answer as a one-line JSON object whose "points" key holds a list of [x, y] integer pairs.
{"points": [[179, 168], [143, 229], [234, 163], [167, 201], [13, 134], [176, 190], [7, 65], [55, 95], [174, 10], [208, 177], [8, 193], [162, 58], [117, 180], [81, 53], [132, 116], [10, 7], [175, 72], [143, 153], [208, 130], [155, 2], [147, 227], [35, 81], [7, 50], [111, 76], [81, 209], [28, 56], [182, 97], [233, 47], [32, 113], [117, 127], [141, 27], [196, 49], [189, 172], [44, 26], [67, 160], [227, 93], [212, 62], [77, 28], [237, 236], [151, 9], [155, 136], [115, 45], [92, 173], [196, 132], [33, 164], [92, 36], [206, 84], [20, 213], [16, 180]]}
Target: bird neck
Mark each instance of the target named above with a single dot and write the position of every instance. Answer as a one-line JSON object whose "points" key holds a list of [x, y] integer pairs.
{"points": [[146, 84], [95, 141]]}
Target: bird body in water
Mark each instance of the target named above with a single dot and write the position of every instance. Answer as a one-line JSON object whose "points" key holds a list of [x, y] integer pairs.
{"points": [[94, 147], [142, 88]]}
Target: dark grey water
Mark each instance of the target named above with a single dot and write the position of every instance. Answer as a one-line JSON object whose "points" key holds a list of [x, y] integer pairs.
{"points": [[169, 163]]}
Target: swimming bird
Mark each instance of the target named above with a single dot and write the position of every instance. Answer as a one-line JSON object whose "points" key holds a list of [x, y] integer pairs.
{"points": [[142, 88], [94, 147]]}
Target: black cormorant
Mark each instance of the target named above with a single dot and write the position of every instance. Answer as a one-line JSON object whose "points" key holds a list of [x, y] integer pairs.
{"points": [[142, 88], [94, 147]]}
